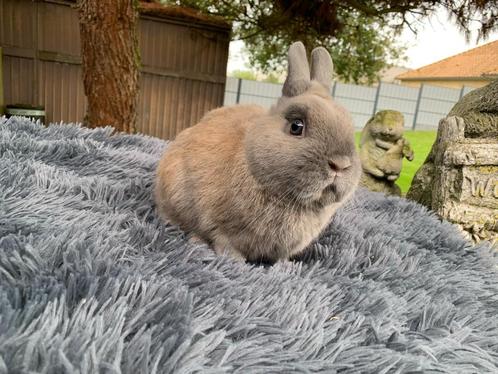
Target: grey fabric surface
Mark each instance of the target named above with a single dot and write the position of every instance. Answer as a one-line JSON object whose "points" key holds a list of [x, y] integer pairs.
{"points": [[91, 281]]}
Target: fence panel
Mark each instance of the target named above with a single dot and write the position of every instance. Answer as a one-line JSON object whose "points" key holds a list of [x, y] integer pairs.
{"points": [[441, 93], [435, 103], [230, 91], [261, 93], [425, 105], [359, 100], [465, 90], [400, 98]]}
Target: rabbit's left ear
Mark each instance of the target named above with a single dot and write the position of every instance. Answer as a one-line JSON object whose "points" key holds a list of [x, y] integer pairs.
{"points": [[322, 67], [298, 71]]}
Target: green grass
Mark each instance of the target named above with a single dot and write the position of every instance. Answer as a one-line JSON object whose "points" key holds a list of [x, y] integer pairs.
{"points": [[421, 142]]}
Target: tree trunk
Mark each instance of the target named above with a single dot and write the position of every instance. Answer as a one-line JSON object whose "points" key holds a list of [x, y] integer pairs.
{"points": [[109, 48]]}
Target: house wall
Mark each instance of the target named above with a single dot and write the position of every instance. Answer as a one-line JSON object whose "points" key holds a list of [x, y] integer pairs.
{"points": [[183, 64]]}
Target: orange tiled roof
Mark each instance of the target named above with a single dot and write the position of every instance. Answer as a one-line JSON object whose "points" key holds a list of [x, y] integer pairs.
{"points": [[477, 62]]}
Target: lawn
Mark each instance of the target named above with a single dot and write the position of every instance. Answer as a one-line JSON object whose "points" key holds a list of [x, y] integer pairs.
{"points": [[421, 142]]}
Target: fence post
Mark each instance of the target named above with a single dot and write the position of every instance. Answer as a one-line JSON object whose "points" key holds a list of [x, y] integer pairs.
{"points": [[461, 92], [417, 106], [1, 82], [333, 89], [239, 86], [376, 101]]}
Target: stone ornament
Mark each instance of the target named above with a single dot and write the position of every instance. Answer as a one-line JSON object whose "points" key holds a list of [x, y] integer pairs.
{"points": [[459, 179], [382, 149]]}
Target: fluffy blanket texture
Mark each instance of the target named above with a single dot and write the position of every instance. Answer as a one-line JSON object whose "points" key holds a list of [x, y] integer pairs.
{"points": [[92, 281]]}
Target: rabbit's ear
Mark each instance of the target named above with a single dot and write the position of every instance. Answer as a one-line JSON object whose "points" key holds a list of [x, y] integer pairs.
{"points": [[298, 71], [322, 67]]}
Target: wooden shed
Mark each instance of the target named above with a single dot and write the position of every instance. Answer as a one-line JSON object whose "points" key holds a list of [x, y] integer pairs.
{"points": [[183, 62]]}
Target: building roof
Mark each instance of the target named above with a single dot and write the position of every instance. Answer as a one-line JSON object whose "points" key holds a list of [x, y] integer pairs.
{"points": [[480, 62], [390, 74]]}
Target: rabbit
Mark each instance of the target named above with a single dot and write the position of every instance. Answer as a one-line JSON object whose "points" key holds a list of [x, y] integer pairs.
{"points": [[260, 185]]}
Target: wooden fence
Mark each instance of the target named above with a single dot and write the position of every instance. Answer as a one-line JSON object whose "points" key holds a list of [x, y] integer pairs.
{"points": [[183, 62]]}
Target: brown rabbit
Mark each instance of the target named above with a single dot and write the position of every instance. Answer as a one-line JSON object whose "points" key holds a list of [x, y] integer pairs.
{"points": [[260, 184]]}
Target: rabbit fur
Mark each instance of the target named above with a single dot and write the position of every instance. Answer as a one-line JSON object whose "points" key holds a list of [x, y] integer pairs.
{"points": [[244, 184]]}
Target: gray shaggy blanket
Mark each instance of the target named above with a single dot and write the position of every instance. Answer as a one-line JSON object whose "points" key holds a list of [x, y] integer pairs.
{"points": [[91, 281]]}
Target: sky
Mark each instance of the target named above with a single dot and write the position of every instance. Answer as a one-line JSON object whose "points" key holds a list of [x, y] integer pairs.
{"points": [[437, 39]]}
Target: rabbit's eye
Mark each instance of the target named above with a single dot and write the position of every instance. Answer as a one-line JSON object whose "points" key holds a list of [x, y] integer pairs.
{"points": [[296, 127]]}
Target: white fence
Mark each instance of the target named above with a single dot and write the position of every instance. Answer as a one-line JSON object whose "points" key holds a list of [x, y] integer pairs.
{"points": [[422, 107]]}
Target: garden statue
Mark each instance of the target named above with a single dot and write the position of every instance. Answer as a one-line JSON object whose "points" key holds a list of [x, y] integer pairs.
{"points": [[382, 148], [459, 178]]}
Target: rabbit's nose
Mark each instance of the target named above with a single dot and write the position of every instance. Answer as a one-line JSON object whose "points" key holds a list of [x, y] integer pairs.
{"points": [[338, 164]]}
